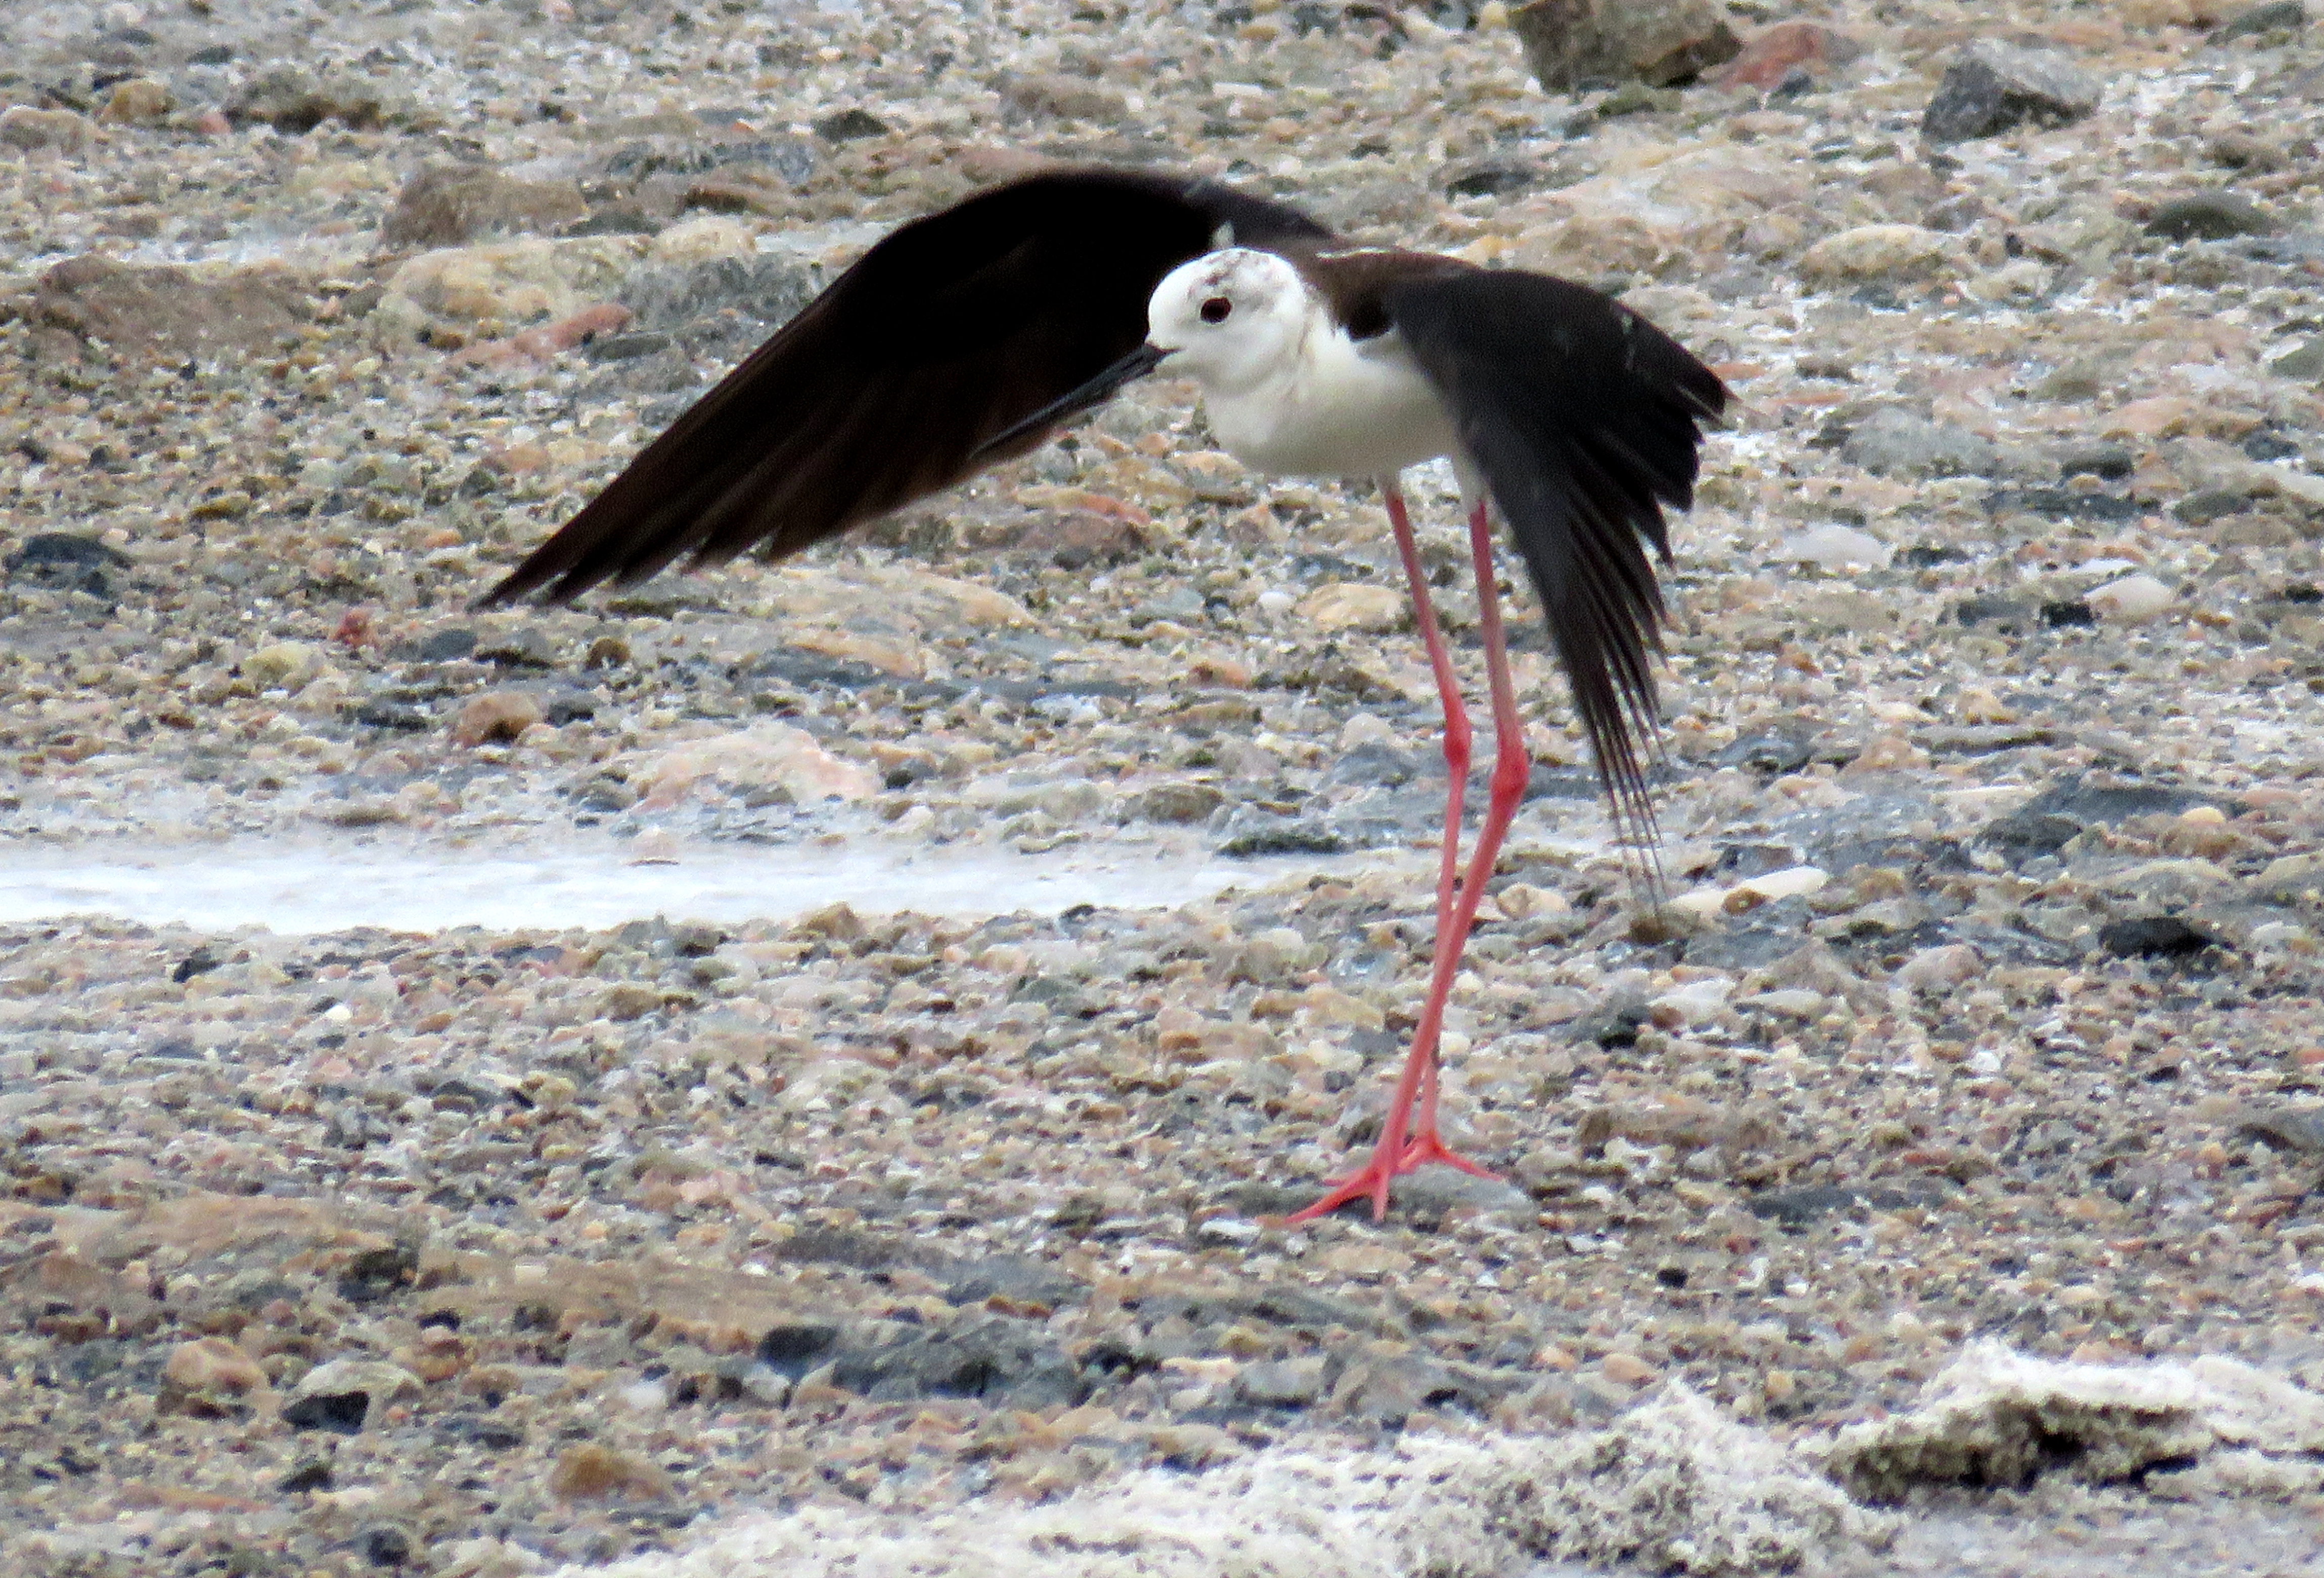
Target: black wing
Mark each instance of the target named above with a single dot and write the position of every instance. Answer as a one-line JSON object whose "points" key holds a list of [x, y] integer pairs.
{"points": [[1586, 421], [891, 384]]}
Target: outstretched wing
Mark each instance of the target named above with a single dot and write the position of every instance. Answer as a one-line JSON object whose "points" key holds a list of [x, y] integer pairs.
{"points": [[1586, 421], [892, 382]]}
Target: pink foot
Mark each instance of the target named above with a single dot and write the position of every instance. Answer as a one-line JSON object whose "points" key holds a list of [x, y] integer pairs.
{"points": [[1373, 1178]]}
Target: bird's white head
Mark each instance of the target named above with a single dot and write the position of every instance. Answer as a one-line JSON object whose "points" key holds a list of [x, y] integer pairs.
{"points": [[1228, 320]]}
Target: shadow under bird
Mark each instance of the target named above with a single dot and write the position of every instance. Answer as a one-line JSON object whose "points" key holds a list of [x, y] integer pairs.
{"points": [[971, 335]]}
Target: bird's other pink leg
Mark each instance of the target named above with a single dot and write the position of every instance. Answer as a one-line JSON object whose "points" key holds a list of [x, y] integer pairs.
{"points": [[1395, 1152], [1511, 770], [1457, 735]]}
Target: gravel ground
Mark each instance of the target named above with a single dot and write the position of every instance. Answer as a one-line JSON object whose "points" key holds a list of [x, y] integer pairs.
{"points": [[1986, 1004]]}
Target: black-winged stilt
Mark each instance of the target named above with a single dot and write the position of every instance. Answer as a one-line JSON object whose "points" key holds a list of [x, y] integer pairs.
{"points": [[969, 337]]}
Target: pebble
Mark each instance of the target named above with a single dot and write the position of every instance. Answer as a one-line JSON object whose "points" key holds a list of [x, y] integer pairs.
{"points": [[2131, 600], [1879, 252], [1354, 605]]}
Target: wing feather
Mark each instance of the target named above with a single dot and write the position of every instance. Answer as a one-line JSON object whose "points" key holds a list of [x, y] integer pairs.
{"points": [[1587, 421], [947, 334]]}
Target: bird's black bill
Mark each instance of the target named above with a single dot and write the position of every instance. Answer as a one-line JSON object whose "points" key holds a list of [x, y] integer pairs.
{"points": [[1087, 398]]}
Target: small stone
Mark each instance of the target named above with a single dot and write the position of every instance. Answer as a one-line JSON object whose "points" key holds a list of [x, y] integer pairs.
{"points": [[140, 101], [284, 666], [452, 204], [211, 1367], [1834, 547], [1628, 1369], [2303, 362], [1940, 969], [2271, 16], [850, 126], [22, 126], [1772, 54], [1175, 802], [294, 101], [169, 314], [1352, 605], [1879, 254], [1897, 443], [592, 1472], [1282, 1383], [1991, 87], [2132, 600], [2219, 216], [496, 715], [1064, 98], [1573, 43], [2101, 459], [774, 760], [345, 1395], [2153, 936]]}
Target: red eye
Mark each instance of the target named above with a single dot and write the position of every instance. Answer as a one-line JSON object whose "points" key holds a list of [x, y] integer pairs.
{"points": [[1216, 309]]}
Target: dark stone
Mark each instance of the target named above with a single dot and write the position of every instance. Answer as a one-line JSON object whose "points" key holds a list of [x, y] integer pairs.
{"points": [[2265, 18], [2153, 936], [448, 645], [798, 666], [1014, 1277], [1378, 765], [491, 1435], [1797, 1207], [2299, 1130], [1615, 1025], [290, 100], [340, 1412], [200, 962], [1492, 178], [2267, 444], [385, 1545], [1768, 933], [2061, 503], [1250, 831], [2212, 504], [386, 715], [2029, 834], [314, 1474], [1767, 752], [1991, 87], [2209, 217], [2110, 803], [2110, 461], [2302, 362], [2067, 613], [796, 1347], [850, 126], [1000, 1361], [66, 549], [1991, 609], [374, 1274]]}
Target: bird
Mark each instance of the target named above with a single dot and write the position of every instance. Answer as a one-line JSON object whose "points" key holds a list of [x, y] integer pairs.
{"points": [[969, 337]]}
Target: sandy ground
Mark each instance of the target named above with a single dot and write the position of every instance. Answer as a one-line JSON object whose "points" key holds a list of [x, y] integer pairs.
{"points": [[447, 1236]]}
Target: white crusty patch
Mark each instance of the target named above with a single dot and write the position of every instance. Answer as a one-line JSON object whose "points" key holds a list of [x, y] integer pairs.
{"points": [[1673, 1486]]}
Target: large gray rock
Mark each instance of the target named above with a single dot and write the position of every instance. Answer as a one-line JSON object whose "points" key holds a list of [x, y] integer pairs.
{"points": [[1992, 86]]}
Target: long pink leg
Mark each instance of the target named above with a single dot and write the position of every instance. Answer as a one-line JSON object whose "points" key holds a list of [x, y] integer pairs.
{"points": [[1401, 1146], [1512, 768]]}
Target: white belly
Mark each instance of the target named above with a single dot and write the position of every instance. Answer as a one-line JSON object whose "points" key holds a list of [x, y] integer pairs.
{"points": [[1348, 408]]}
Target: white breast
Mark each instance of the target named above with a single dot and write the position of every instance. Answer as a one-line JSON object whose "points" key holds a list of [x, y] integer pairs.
{"points": [[1340, 408]]}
